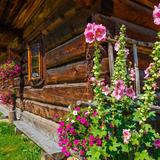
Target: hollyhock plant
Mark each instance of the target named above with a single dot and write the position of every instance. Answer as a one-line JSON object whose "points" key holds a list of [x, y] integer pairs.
{"points": [[115, 124], [156, 14]]}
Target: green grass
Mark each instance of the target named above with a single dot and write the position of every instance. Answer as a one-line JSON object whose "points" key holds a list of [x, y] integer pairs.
{"points": [[16, 147]]}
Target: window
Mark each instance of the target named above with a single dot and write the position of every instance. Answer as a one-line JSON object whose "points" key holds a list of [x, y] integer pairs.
{"points": [[35, 63]]}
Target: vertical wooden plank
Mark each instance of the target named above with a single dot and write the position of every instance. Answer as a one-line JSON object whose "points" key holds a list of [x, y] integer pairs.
{"points": [[111, 58], [135, 54], [29, 64]]}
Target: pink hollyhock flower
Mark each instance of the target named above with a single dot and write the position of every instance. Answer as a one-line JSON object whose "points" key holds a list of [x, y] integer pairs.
{"points": [[147, 70], [81, 152], [95, 32], [130, 92], [119, 84], [100, 32], [118, 93], [127, 51], [157, 143], [132, 74], [105, 90], [93, 79], [76, 142], [90, 37], [90, 27], [126, 136], [116, 46], [156, 14], [154, 85]]}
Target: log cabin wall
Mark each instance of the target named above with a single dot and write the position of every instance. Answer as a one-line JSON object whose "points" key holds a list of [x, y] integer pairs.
{"points": [[62, 22]]}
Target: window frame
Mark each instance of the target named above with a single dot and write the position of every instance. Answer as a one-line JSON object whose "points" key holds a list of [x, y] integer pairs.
{"points": [[36, 81]]}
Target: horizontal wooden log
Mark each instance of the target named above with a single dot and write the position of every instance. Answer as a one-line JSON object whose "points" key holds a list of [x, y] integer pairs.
{"points": [[62, 94], [134, 13], [75, 72], [44, 110], [72, 50], [134, 31]]}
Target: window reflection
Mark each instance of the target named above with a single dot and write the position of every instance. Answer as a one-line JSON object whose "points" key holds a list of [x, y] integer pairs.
{"points": [[35, 50]]}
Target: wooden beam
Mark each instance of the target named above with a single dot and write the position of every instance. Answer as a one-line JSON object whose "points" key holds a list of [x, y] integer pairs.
{"points": [[6, 29]]}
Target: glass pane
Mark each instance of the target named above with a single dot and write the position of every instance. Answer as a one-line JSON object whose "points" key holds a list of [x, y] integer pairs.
{"points": [[35, 60]]}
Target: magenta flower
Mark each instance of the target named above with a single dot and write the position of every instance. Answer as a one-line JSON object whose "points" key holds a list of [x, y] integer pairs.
{"points": [[99, 142], [95, 113], [130, 92], [62, 124], [77, 109], [126, 136], [118, 93], [84, 142], [83, 120], [157, 143], [91, 143], [100, 32], [91, 138], [68, 126], [81, 152], [76, 142], [156, 14]]}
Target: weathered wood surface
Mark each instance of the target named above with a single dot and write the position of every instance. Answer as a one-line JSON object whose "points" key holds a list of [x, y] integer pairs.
{"points": [[134, 13], [70, 51], [133, 31], [62, 94], [75, 72], [44, 110], [43, 132]]}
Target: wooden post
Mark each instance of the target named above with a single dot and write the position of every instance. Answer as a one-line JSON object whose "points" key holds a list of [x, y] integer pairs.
{"points": [[135, 54], [111, 58]]}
